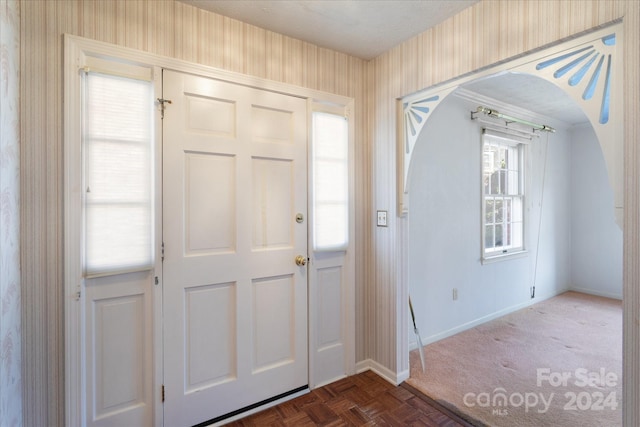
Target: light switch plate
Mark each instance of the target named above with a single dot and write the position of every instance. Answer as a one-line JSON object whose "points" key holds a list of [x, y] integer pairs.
{"points": [[382, 218]]}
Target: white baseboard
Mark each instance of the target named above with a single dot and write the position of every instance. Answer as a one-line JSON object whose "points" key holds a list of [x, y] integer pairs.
{"points": [[596, 293], [460, 328], [394, 378]]}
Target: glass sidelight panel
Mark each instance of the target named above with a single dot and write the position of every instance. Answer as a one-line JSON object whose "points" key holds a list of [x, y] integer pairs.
{"points": [[330, 198]]}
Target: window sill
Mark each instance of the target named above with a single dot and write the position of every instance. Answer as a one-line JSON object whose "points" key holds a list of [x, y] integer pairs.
{"points": [[503, 257]]}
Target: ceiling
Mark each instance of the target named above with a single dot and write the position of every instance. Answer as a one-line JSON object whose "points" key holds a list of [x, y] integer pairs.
{"points": [[368, 28], [361, 28], [530, 93]]}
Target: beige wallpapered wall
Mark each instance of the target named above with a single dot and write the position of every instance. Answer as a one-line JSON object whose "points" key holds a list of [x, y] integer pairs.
{"points": [[10, 331], [488, 32]]}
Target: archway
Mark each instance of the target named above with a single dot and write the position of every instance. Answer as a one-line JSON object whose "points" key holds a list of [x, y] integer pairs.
{"points": [[568, 207], [586, 69]]}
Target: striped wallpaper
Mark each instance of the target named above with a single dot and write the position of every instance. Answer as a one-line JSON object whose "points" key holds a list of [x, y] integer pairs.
{"points": [[488, 32]]}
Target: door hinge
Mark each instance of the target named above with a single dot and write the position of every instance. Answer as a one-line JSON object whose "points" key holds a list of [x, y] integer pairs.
{"points": [[162, 252], [163, 392], [162, 103], [157, 282]]}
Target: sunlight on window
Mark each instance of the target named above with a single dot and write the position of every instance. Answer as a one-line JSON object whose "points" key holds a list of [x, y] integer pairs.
{"points": [[330, 199], [117, 147]]}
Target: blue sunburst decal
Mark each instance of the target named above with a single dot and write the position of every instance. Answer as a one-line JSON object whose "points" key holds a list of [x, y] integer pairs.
{"points": [[581, 62], [415, 116]]}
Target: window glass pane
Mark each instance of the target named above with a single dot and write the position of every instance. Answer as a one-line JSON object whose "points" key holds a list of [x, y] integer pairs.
{"points": [[486, 180], [489, 211], [488, 237], [499, 182], [119, 108], [517, 209], [330, 199], [516, 236], [499, 237], [497, 158], [499, 211], [513, 187], [518, 223], [114, 241], [117, 171], [330, 220], [117, 146], [329, 175]]}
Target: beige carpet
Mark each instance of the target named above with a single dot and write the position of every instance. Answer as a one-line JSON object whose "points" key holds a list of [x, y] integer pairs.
{"points": [[555, 363]]}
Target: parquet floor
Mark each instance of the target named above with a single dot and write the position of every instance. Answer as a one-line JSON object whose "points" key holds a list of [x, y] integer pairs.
{"points": [[361, 400]]}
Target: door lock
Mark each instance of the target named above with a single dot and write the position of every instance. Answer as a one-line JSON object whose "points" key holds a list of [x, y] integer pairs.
{"points": [[301, 260]]}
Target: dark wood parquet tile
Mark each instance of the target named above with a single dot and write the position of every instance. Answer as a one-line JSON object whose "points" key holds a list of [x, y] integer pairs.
{"points": [[361, 400]]}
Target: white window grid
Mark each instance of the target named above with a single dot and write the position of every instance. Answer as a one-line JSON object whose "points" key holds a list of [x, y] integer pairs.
{"points": [[502, 196]]}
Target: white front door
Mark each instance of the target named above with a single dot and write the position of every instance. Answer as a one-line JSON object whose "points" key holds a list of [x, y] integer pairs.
{"points": [[234, 300]]}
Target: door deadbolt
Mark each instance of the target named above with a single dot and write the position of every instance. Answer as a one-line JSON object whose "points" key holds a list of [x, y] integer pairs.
{"points": [[301, 260]]}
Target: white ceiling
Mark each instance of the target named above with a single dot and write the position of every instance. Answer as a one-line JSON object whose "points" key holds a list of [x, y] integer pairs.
{"points": [[361, 28], [530, 93], [368, 28]]}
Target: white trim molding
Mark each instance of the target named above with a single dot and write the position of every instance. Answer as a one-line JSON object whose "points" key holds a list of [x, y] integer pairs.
{"points": [[386, 373]]}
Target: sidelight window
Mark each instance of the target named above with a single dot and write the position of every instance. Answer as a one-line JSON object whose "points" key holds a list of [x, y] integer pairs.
{"points": [[330, 175], [117, 141]]}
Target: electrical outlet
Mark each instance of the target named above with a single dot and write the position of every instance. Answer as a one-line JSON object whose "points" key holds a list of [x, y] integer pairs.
{"points": [[382, 218], [455, 294]]}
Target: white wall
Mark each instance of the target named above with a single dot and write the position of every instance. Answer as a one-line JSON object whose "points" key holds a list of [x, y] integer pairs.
{"points": [[444, 227], [596, 260]]}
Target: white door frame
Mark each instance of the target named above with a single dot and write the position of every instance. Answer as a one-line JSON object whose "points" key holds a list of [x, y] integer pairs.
{"points": [[76, 49]]}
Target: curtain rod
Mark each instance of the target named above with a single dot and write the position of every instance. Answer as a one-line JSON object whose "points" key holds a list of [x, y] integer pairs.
{"points": [[493, 113]]}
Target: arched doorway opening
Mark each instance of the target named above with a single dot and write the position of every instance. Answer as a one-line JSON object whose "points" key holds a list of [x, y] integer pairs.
{"points": [[568, 209], [441, 142]]}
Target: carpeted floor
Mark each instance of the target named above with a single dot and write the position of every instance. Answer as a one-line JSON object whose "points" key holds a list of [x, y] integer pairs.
{"points": [[556, 363]]}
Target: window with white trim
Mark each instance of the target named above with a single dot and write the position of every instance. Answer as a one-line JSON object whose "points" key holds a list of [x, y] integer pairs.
{"points": [[117, 146], [502, 195], [330, 171]]}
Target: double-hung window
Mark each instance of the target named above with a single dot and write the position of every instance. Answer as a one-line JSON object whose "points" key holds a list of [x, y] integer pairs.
{"points": [[503, 195]]}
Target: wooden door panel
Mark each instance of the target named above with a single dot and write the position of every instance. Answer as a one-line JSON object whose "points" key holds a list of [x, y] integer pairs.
{"points": [[118, 321], [272, 203], [210, 203], [210, 319], [235, 303]]}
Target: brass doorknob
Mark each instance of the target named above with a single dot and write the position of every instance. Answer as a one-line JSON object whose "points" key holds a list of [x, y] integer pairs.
{"points": [[301, 260]]}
